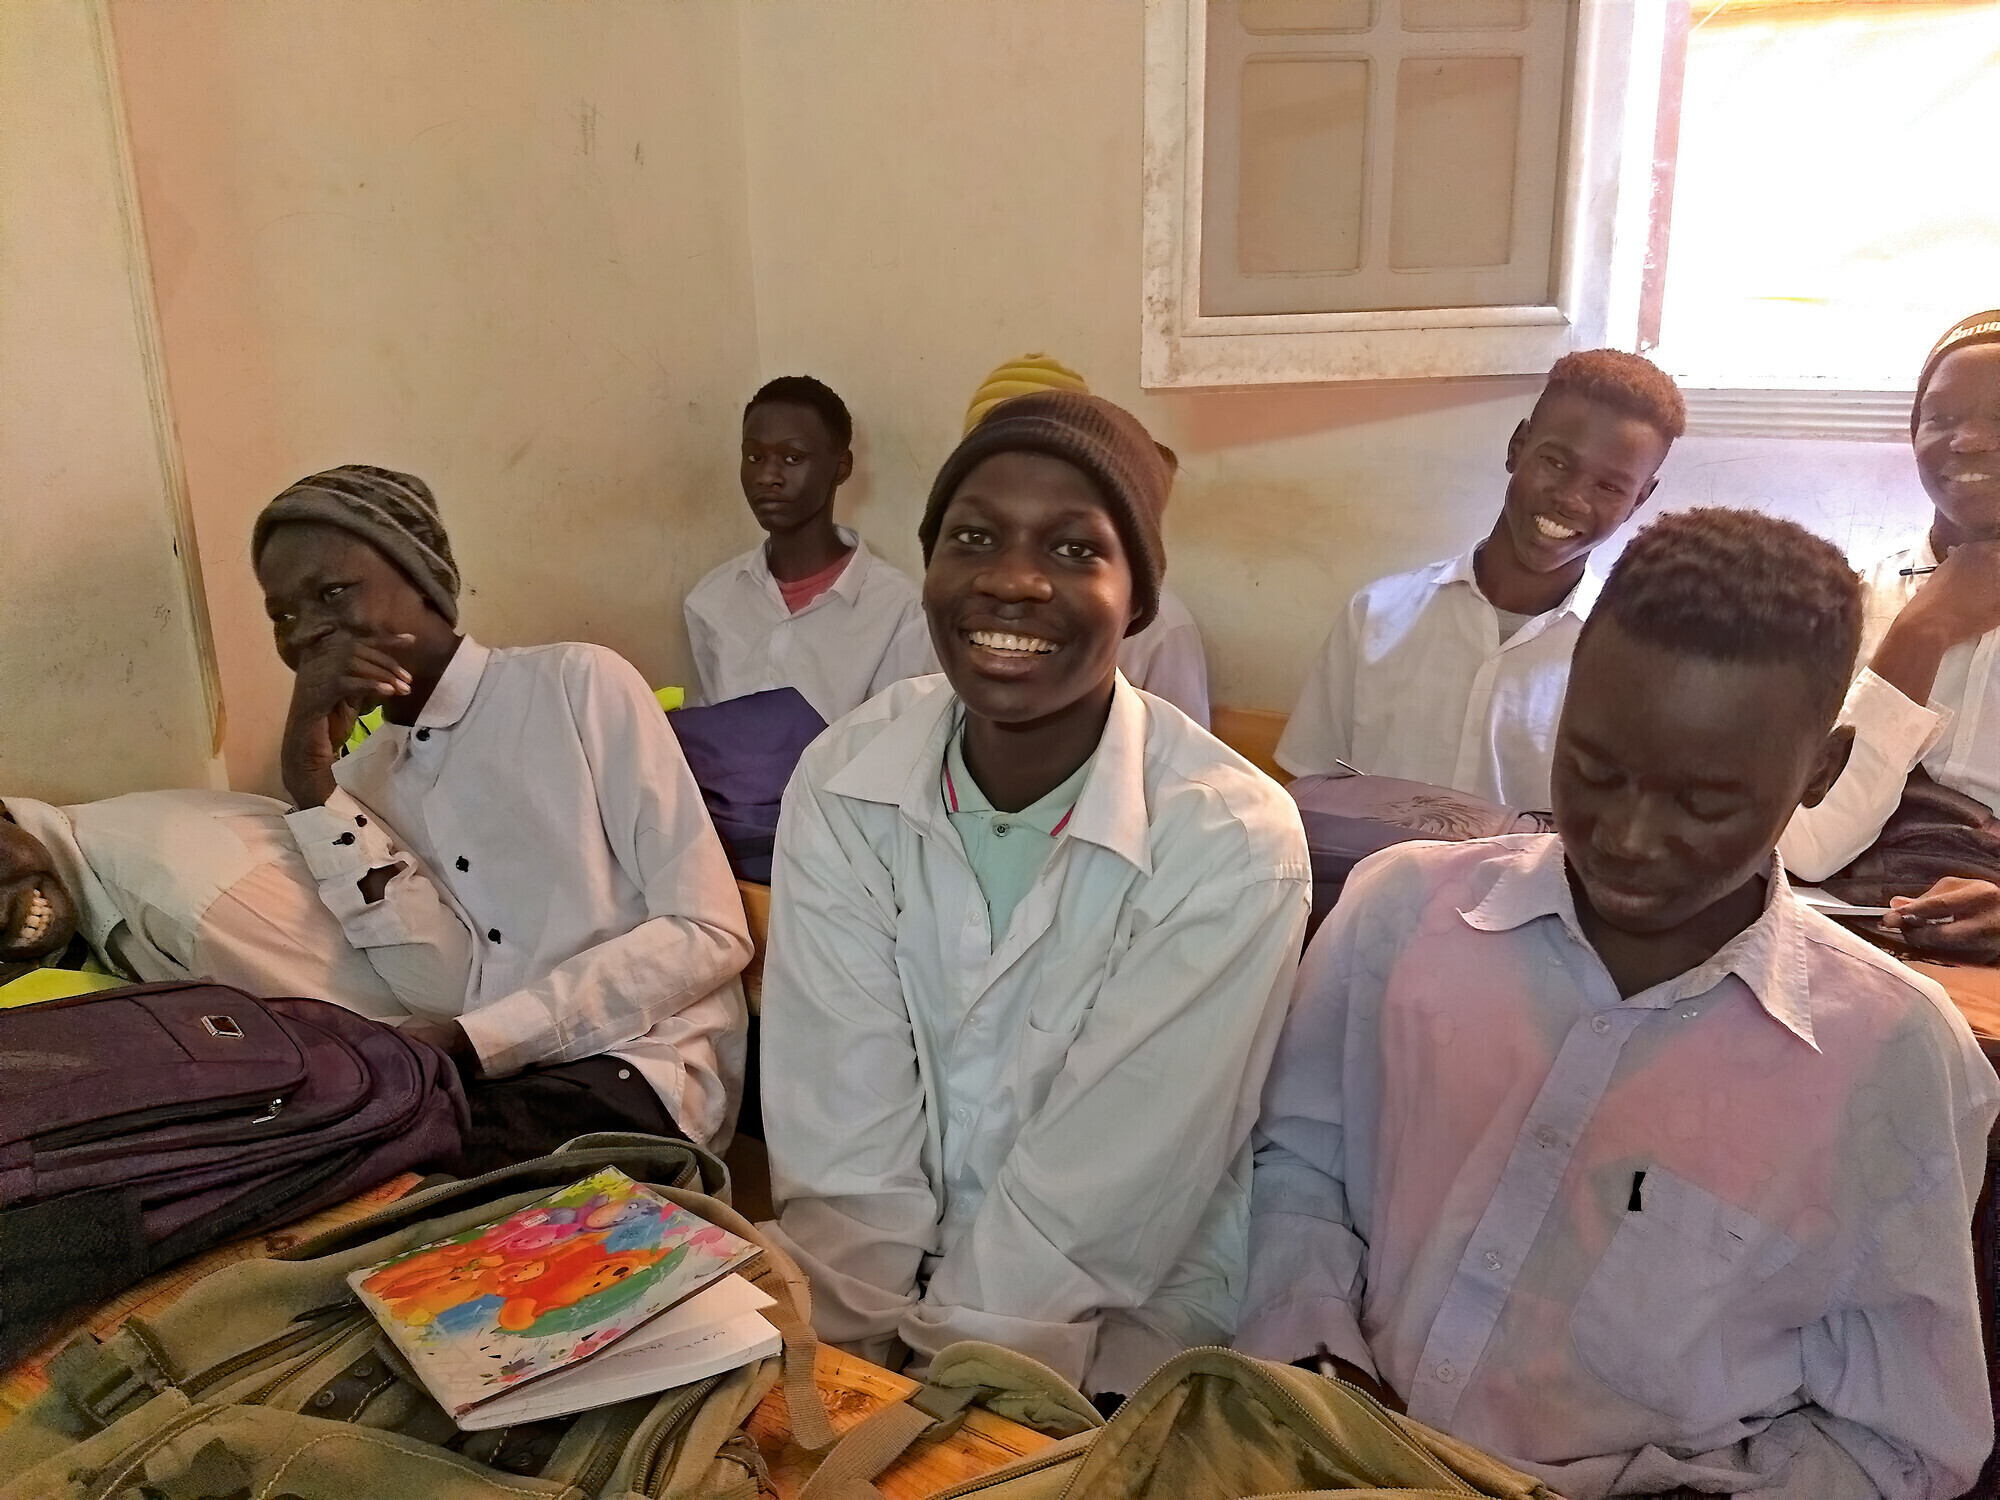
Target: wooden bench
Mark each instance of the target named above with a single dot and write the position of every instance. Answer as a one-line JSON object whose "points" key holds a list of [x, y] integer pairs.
{"points": [[1253, 734]]}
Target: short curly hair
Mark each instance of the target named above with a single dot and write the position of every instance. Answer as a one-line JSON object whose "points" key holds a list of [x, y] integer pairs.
{"points": [[1737, 586], [803, 390], [1628, 382]]}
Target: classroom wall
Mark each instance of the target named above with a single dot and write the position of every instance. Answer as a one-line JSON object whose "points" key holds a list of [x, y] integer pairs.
{"points": [[934, 188], [500, 245], [100, 673]]}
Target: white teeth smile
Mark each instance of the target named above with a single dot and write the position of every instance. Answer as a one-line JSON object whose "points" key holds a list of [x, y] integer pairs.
{"points": [[1554, 530], [40, 914], [1970, 478], [1015, 645]]}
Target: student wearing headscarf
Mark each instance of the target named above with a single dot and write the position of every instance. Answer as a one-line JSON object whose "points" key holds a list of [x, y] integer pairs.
{"points": [[1165, 658], [529, 805], [1930, 693]]}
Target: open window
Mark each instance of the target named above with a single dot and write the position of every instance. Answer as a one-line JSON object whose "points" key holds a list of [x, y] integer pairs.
{"points": [[1781, 201]]}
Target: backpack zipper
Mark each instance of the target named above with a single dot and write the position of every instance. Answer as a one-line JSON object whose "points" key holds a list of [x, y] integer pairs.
{"points": [[329, 1321], [644, 1480], [214, 1111]]}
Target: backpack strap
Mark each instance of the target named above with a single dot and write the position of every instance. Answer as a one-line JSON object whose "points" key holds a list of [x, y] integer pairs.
{"points": [[882, 1437], [104, 1383]]}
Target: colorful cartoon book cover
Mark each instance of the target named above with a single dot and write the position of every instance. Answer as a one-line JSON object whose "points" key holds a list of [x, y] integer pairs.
{"points": [[544, 1287]]}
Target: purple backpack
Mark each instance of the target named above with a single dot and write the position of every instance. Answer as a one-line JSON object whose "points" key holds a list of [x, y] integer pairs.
{"points": [[140, 1125]]}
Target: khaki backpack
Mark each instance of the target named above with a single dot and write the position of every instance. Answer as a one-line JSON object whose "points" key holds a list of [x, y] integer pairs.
{"points": [[267, 1378], [1210, 1424]]}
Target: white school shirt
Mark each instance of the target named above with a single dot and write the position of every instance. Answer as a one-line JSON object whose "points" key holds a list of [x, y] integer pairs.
{"points": [[843, 648], [180, 885], [1415, 681], [1956, 735], [1166, 660], [552, 815], [1040, 1140], [1446, 1171]]}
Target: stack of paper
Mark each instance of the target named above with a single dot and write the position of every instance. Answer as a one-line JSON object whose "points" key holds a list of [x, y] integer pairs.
{"points": [[597, 1293]]}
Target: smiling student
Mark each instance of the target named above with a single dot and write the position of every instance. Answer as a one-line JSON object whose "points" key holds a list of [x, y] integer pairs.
{"points": [[1454, 674], [1930, 694], [1031, 938], [1602, 1151], [527, 808], [1166, 657], [810, 607]]}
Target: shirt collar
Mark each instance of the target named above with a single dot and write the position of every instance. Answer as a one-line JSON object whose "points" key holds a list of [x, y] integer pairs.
{"points": [[757, 566], [1769, 955], [901, 766], [1048, 816], [453, 694], [1579, 601]]}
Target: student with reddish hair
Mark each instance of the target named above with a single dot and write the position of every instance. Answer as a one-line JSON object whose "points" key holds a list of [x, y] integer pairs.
{"points": [[1454, 674]]}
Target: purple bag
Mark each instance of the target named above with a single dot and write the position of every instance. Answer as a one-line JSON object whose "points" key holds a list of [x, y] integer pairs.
{"points": [[742, 752], [141, 1125], [1348, 818]]}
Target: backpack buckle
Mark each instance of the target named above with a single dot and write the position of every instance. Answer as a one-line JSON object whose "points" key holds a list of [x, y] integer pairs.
{"points": [[102, 1385]]}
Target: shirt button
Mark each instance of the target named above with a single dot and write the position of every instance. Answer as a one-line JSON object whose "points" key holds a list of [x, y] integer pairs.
{"points": [[1687, 1015], [1447, 1373], [423, 734], [1544, 1136], [360, 822], [345, 838], [1001, 830], [464, 863], [624, 1072], [493, 934], [961, 1114], [1493, 1261], [1600, 1024]]}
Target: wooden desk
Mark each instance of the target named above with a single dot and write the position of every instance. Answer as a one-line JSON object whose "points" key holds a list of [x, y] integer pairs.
{"points": [[1253, 734], [853, 1388], [1976, 992]]}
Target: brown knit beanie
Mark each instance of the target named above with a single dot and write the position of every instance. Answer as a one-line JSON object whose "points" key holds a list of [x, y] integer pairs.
{"points": [[395, 513], [1103, 440], [1980, 328]]}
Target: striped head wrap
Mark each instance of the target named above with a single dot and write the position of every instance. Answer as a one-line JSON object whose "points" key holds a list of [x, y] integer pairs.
{"points": [[394, 513], [1980, 328]]}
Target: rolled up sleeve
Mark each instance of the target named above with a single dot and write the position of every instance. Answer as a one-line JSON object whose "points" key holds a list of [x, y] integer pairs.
{"points": [[1891, 735]]}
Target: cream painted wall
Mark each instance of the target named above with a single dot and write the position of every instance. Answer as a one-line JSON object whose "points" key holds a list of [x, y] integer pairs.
{"points": [[501, 245], [934, 188], [101, 685]]}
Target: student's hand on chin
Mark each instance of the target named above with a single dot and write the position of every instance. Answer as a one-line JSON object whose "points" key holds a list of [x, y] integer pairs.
{"points": [[1955, 918], [340, 677]]}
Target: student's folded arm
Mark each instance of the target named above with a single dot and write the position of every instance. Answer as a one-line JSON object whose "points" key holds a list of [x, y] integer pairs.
{"points": [[843, 1097], [410, 934], [1891, 735], [695, 937], [1157, 1094], [1306, 1256], [1320, 732], [1898, 1376]]}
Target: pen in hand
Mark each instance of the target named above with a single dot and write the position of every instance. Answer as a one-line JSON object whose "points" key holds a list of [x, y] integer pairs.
{"points": [[1917, 572]]}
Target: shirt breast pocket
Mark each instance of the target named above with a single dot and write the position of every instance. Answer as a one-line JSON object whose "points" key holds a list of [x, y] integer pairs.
{"points": [[1654, 1322]]}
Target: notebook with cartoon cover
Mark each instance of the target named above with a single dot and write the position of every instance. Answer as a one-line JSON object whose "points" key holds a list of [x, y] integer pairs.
{"points": [[543, 1288]]}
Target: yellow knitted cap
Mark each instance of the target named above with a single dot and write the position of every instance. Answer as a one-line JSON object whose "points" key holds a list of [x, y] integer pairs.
{"points": [[1021, 377]]}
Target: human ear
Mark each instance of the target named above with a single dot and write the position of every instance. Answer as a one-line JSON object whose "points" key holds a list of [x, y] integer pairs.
{"points": [[843, 469], [1645, 494], [1832, 760], [1516, 443]]}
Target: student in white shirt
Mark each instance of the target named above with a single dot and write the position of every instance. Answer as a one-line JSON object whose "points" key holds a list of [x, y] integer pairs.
{"points": [[810, 607], [1165, 658], [1454, 674], [175, 885], [529, 808], [1031, 937], [1930, 694], [1601, 1150]]}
